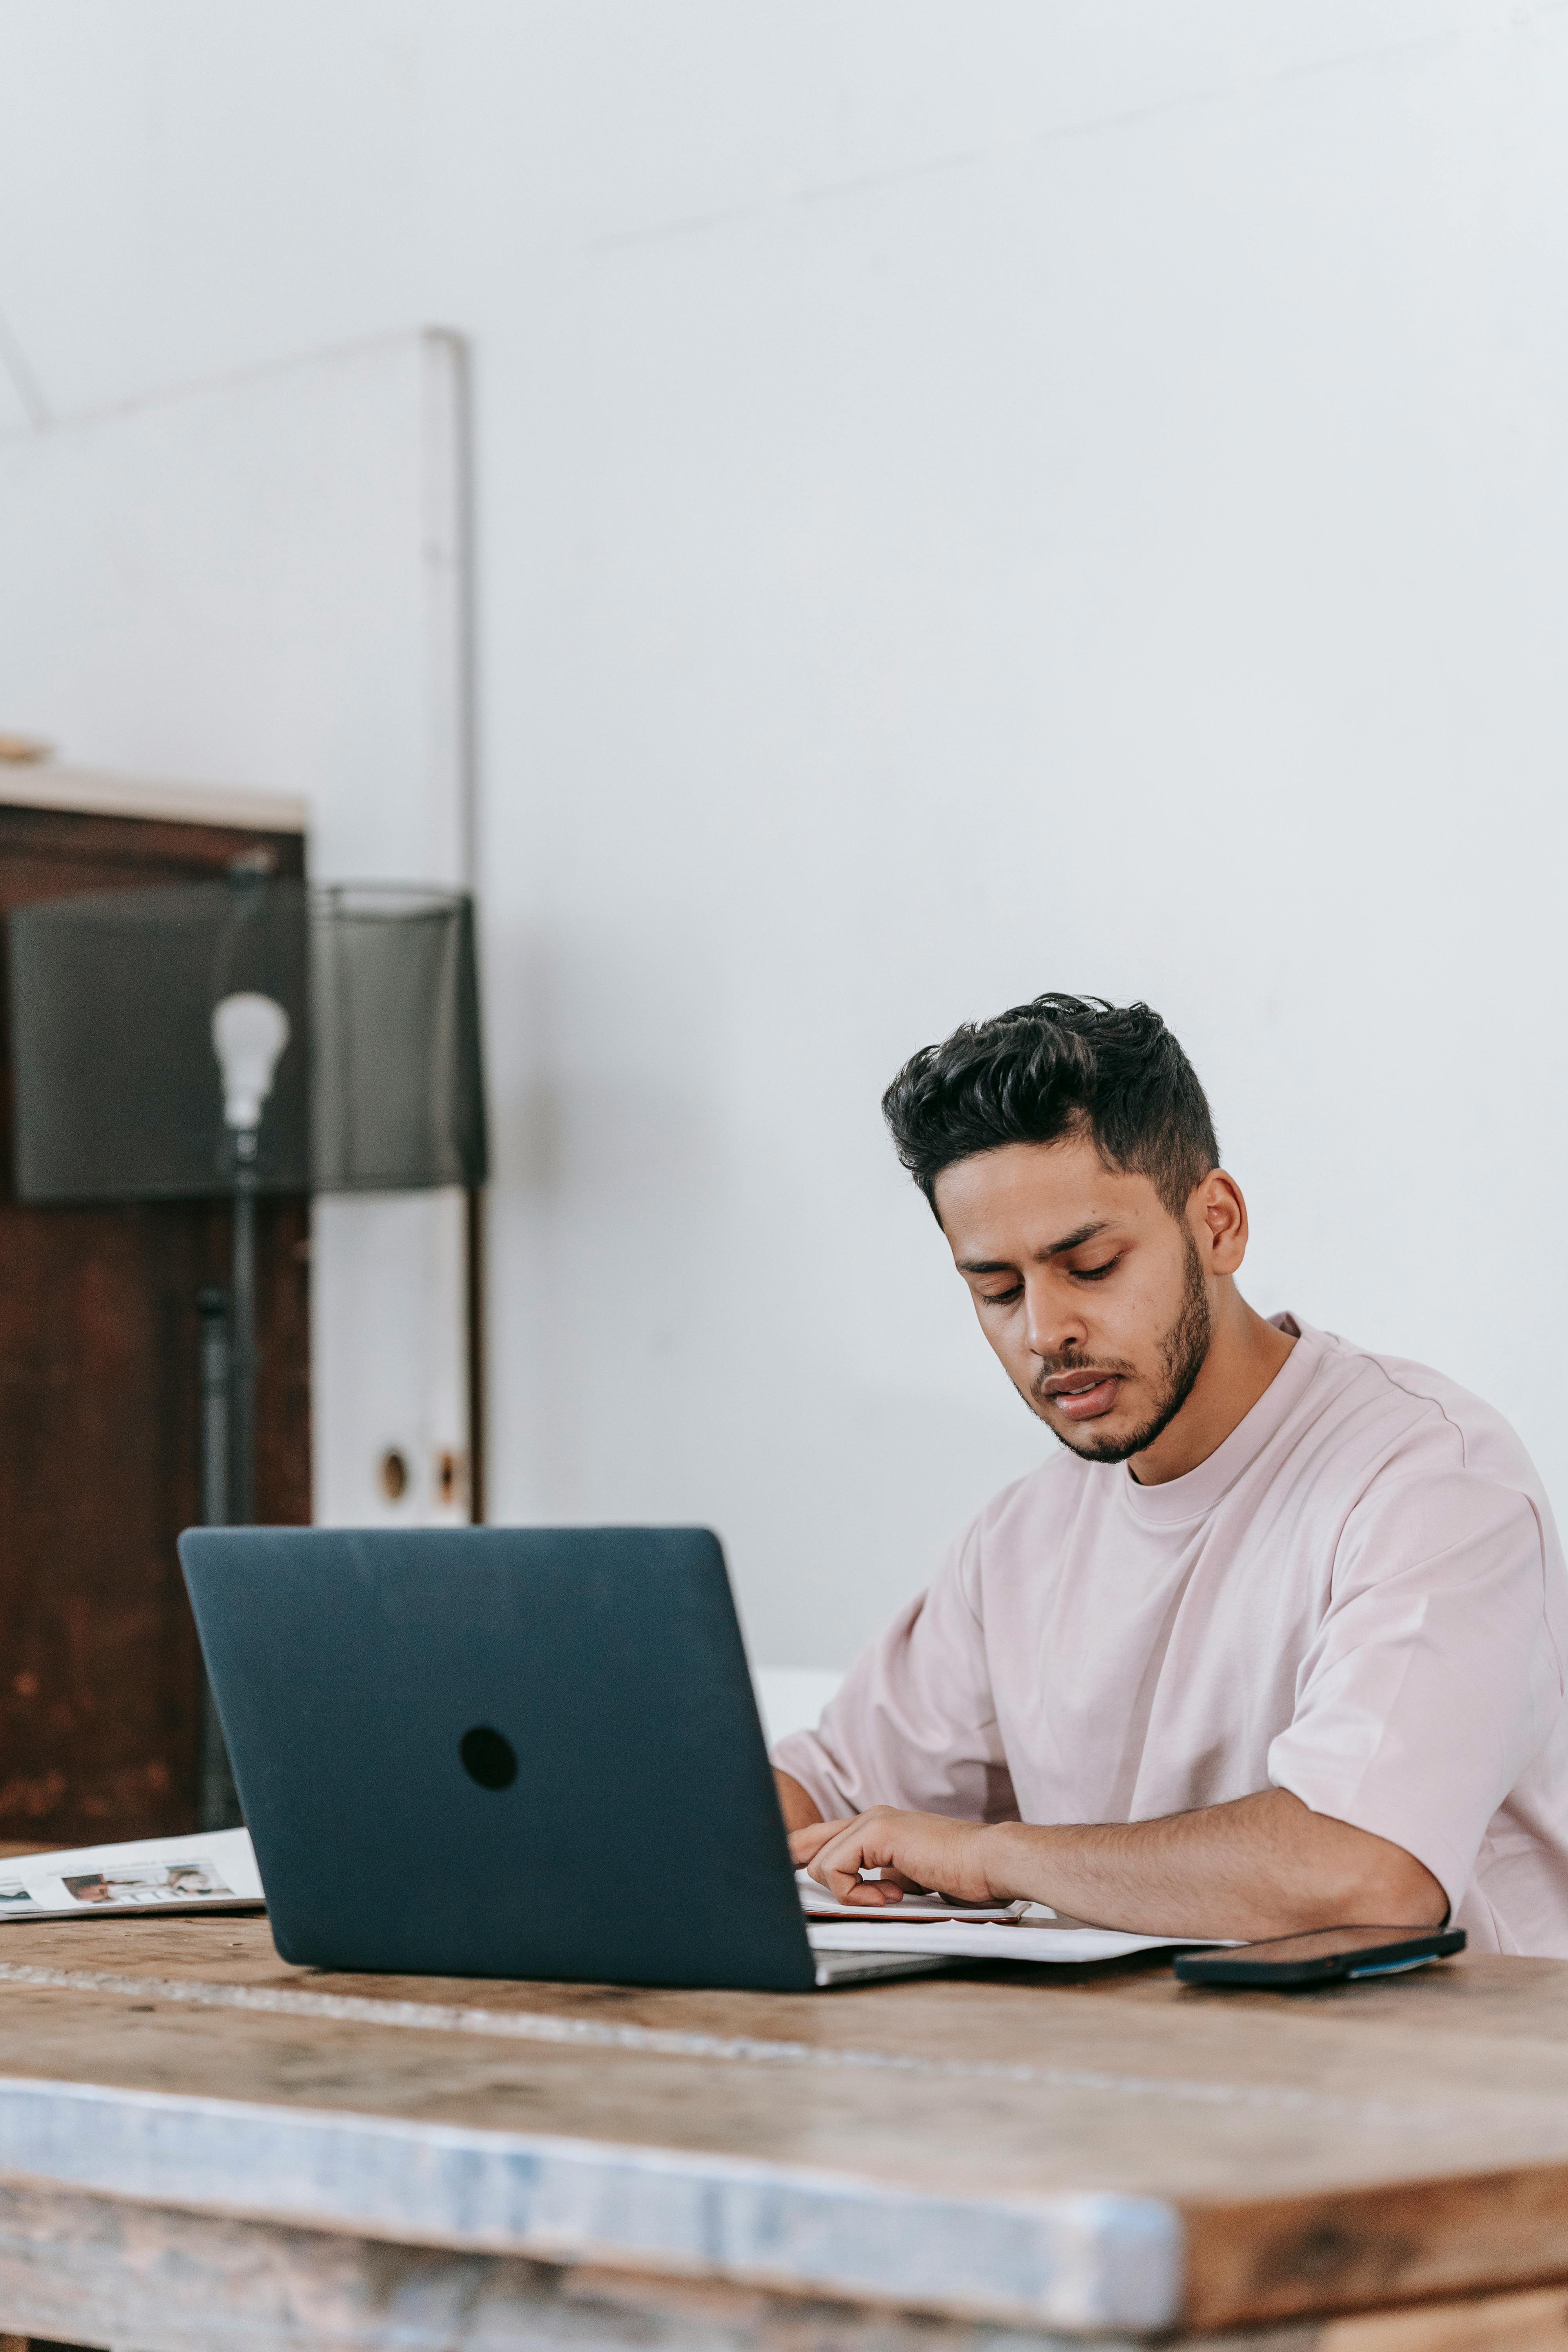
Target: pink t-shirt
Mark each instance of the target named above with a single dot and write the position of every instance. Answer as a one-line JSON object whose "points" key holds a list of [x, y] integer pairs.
{"points": [[1360, 1596]]}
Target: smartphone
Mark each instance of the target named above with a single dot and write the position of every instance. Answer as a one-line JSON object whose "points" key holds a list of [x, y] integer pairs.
{"points": [[1329, 1955]]}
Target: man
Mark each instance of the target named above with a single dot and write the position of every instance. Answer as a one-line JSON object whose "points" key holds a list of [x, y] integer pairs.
{"points": [[1275, 1643]]}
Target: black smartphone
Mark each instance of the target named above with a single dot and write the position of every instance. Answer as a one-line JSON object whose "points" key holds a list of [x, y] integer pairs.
{"points": [[1327, 1956]]}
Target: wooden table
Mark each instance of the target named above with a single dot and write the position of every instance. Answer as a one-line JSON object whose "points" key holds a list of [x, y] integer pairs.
{"points": [[200, 2146]]}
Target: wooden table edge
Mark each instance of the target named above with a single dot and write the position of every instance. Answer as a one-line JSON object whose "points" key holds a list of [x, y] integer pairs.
{"points": [[1085, 2261], [1253, 2261]]}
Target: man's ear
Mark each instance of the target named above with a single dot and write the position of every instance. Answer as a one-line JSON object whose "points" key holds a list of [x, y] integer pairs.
{"points": [[1217, 1215]]}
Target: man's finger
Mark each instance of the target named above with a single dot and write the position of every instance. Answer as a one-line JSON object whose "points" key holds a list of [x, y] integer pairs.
{"points": [[836, 1870], [804, 1843], [840, 1861]]}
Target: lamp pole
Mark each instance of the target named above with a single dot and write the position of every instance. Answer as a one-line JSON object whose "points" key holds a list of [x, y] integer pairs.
{"points": [[218, 1802], [242, 1338], [248, 1032]]}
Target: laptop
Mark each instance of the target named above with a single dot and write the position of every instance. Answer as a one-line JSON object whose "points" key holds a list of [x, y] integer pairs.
{"points": [[523, 1752]]}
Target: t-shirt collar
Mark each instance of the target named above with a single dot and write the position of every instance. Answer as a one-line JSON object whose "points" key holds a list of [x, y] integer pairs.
{"points": [[1191, 1497]]}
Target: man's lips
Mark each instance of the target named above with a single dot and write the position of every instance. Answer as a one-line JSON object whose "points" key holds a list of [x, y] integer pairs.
{"points": [[1082, 1396]]}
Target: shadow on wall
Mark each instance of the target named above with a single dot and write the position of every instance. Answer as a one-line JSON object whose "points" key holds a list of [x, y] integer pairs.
{"points": [[790, 1698]]}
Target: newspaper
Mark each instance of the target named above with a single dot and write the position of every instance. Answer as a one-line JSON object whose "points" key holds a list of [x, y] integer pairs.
{"points": [[967, 1931], [214, 1871]]}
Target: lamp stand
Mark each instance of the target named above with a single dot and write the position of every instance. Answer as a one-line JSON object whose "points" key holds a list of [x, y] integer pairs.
{"points": [[217, 1804], [248, 1032], [242, 1343]]}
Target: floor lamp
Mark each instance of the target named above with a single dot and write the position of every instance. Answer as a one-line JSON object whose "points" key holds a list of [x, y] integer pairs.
{"points": [[239, 1039]]}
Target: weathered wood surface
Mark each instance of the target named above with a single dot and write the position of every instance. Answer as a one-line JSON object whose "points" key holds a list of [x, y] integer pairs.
{"points": [[1118, 2154], [152, 2281]]}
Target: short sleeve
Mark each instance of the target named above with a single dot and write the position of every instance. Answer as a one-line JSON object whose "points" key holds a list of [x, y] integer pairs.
{"points": [[914, 1724], [1434, 1679]]}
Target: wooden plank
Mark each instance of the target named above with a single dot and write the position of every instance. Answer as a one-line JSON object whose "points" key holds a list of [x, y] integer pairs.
{"points": [[1532, 2322], [86, 792], [1111, 2153], [97, 2271], [1029, 2152], [1257, 2259], [169, 2282]]}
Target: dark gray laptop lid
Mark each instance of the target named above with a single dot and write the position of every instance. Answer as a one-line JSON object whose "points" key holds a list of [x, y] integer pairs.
{"points": [[526, 1752]]}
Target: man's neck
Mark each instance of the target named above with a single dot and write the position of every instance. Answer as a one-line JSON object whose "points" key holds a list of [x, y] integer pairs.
{"points": [[1245, 1354]]}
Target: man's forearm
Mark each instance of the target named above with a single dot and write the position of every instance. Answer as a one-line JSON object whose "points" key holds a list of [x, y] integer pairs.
{"points": [[798, 1809], [1263, 1866]]}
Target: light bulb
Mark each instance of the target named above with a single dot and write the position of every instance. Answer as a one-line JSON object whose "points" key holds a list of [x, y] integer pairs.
{"points": [[250, 1033]]}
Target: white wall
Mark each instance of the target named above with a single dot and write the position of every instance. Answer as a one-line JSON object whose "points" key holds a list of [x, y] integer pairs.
{"points": [[971, 501], [265, 576]]}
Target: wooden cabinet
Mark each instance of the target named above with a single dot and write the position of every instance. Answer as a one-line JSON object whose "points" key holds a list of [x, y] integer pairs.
{"points": [[98, 1413]]}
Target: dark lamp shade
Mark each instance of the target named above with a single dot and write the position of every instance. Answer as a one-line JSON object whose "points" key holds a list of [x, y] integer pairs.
{"points": [[118, 1093]]}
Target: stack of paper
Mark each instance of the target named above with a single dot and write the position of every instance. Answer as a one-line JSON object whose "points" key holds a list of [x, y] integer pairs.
{"points": [[966, 1931], [214, 1871]]}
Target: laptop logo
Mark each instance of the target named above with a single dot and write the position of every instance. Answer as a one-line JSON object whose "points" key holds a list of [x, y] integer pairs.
{"points": [[487, 1756]]}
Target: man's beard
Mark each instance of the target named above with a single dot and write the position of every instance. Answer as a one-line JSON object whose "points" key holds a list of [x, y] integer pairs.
{"points": [[1182, 1351]]}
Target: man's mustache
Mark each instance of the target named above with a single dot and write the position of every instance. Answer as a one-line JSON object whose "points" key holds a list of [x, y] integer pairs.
{"points": [[1056, 1366]]}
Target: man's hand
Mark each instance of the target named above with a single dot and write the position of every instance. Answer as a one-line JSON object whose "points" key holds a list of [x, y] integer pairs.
{"points": [[912, 1850], [1262, 1865]]}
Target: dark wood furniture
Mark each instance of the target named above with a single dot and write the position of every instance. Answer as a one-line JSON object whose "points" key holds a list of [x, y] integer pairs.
{"points": [[98, 1414]]}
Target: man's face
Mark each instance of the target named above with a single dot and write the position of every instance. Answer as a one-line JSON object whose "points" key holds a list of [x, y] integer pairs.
{"points": [[1092, 1294]]}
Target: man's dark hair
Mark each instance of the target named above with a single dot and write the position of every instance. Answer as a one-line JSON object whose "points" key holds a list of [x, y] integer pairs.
{"points": [[1062, 1065]]}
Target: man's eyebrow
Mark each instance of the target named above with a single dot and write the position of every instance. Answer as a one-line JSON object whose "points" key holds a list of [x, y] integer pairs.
{"points": [[1075, 1240], [1072, 1241]]}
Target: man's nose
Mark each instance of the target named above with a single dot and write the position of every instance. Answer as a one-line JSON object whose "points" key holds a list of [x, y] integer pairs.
{"points": [[1053, 1323]]}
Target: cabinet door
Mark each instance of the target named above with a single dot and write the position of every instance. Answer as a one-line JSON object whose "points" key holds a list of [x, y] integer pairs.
{"points": [[99, 1416]]}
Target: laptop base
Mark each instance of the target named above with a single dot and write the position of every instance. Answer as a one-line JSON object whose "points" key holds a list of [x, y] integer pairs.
{"points": [[834, 1968]]}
